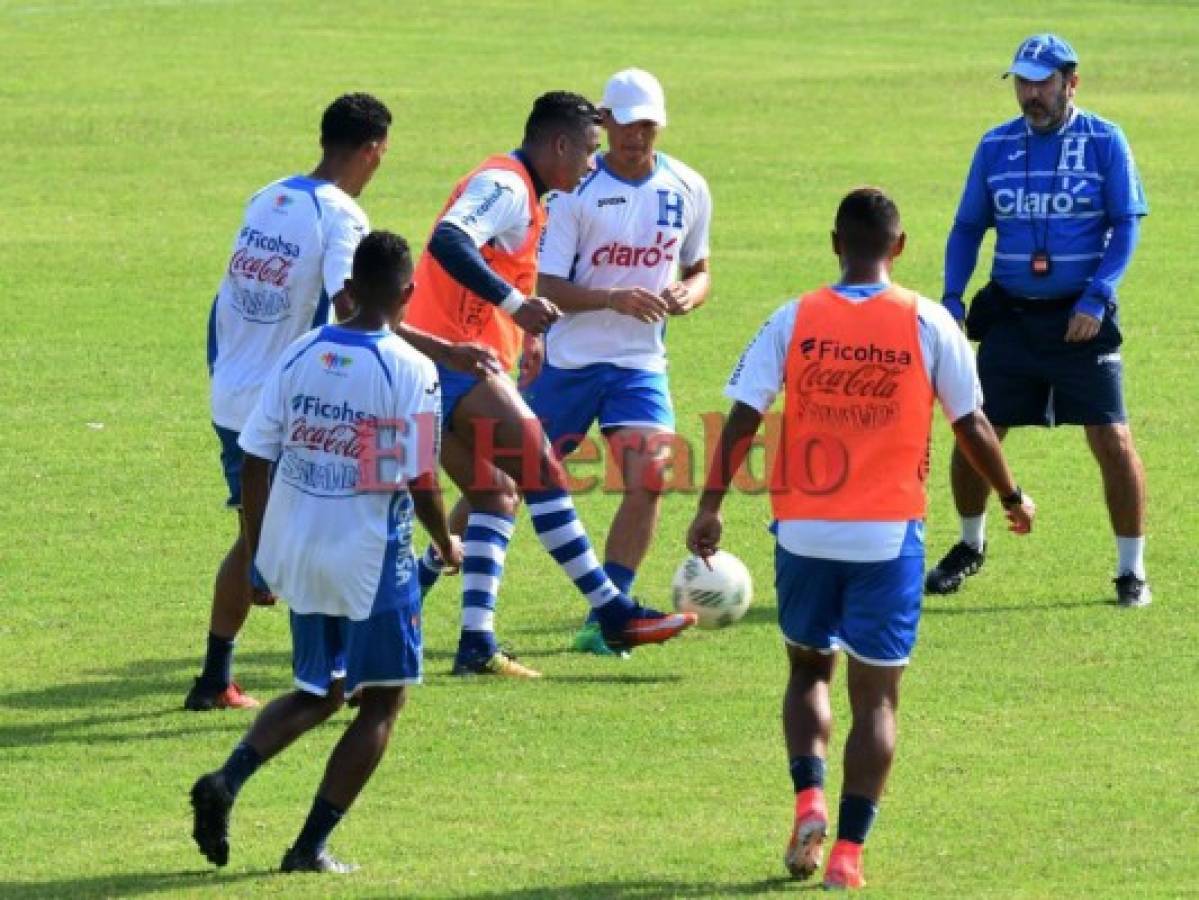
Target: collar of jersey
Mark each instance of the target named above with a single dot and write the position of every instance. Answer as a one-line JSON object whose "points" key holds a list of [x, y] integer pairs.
{"points": [[859, 291], [339, 335], [602, 164]]}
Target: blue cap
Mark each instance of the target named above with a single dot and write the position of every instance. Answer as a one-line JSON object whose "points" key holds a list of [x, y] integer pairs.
{"points": [[1039, 56]]}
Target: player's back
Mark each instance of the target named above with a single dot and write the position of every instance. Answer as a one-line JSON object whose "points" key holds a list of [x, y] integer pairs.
{"points": [[326, 542], [277, 284], [614, 233]]}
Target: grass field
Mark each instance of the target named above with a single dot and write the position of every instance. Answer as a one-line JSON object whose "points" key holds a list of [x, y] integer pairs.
{"points": [[1049, 741]]}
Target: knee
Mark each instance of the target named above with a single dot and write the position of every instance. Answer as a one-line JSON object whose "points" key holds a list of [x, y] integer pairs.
{"points": [[1111, 443]]}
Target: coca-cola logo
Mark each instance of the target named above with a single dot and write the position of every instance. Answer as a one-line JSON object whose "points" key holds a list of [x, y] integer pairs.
{"points": [[627, 257], [272, 270], [340, 440], [868, 380]]}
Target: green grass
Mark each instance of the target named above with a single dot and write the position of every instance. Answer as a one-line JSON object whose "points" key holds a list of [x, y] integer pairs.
{"points": [[1048, 740]]}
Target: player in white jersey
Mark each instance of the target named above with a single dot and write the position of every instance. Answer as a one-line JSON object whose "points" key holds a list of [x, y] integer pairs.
{"points": [[349, 417], [287, 268], [622, 253]]}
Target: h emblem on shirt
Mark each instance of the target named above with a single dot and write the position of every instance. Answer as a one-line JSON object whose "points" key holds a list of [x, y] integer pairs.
{"points": [[1074, 154]]}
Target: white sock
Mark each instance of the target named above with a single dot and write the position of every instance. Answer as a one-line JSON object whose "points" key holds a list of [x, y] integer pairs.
{"points": [[1131, 556], [974, 530]]}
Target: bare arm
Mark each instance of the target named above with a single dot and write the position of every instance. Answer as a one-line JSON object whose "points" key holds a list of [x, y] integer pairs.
{"points": [[430, 512], [703, 537], [471, 358], [980, 446], [643, 305]]}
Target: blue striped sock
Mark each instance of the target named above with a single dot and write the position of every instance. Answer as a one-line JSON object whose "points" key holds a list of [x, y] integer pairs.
{"points": [[428, 569], [563, 537], [484, 548], [622, 576]]}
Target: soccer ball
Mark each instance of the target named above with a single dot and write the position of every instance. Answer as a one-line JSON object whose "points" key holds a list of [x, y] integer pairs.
{"points": [[719, 595]]}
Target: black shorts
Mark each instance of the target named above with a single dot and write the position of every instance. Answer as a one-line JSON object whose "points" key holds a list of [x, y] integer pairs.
{"points": [[1031, 376]]}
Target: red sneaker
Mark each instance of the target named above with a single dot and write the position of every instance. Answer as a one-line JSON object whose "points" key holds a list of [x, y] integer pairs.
{"points": [[844, 870], [805, 850], [202, 698]]}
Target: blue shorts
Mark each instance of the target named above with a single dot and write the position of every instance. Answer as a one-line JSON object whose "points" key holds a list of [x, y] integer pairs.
{"points": [[232, 457], [382, 651], [454, 386], [1031, 376], [568, 401], [871, 610]]}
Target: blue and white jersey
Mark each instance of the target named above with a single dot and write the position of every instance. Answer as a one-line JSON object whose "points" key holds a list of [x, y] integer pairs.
{"points": [[1058, 192], [327, 545], [290, 257], [613, 233]]}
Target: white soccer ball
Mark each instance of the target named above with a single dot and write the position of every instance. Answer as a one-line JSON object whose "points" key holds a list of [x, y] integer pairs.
{"points": [[718, 591]]}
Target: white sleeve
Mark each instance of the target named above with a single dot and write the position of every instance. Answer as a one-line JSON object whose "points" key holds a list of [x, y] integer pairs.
{"points": [[695, 244], [759, 374], [262, 435], [560, 240], [495, 204], [428, 416], [950, 361], [343, 234]]}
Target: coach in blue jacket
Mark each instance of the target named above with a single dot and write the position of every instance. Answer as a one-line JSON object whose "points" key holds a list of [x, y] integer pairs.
{"points": [[1060, 188]]}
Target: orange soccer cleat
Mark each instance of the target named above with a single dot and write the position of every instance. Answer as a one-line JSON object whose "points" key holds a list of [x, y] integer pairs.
{"points": [[202, 698], [844, 870], [805, 850]]}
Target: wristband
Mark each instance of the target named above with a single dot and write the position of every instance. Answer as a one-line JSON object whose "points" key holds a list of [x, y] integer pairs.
{"points": [[513, 302], [1015, 498]]}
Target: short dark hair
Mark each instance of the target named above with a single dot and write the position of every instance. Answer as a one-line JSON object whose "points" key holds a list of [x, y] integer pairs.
{"points": [[558, 112], [382, 266], [353, 120], [1068, 69], [867, 224]]}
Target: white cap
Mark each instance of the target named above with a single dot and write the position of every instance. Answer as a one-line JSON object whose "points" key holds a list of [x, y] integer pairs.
{"points": [[634, 95]]}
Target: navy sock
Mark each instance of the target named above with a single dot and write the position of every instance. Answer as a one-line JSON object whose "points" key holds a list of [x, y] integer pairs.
{"points": [[807, 772], [321, 821], [623, 577], [218, 661], [241, 764], [857, 815]]}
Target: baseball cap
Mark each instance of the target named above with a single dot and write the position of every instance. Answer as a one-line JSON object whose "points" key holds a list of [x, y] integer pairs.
{"points": [[1039, 56], [634, 95]]}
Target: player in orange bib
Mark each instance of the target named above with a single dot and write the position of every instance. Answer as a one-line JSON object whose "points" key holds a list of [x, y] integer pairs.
{"points": [[860, 363], [474, 284]]}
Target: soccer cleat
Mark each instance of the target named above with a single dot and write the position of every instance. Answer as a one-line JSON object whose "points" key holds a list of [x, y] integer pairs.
{"points": [[805, 850], [499, 663], [590, 639], [211, 803], [203, 697], [641, 625], [295, 860], [1131, 591], [844, 870], [962, 561]]}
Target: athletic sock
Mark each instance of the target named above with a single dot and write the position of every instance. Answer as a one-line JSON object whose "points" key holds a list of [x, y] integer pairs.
{"points": [[428, 569], [321, 821], [241, 764], [1131, 556], [857, 815], [807, 772], [218, 661], [621, 576], [562, 535], [483, 552], [974, 530]]}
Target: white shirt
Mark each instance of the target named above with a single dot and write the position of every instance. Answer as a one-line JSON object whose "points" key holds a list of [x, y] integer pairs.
{"points": [[758, 378], [613, 233], [326, 546], [493, 207], [291, 256]]}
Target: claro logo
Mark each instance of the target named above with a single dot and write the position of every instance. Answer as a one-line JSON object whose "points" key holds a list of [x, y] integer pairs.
{"points": [[625, 257]]}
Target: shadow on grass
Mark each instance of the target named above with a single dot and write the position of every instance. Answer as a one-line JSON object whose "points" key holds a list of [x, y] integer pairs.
{"points": [[967, 610], [650, 890], [125, 885]]}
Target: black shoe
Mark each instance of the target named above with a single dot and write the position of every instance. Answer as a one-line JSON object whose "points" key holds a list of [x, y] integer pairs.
{"points": [[955, 567], [1131, 591], [205, 696], [296, 861], [211, 802]]}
